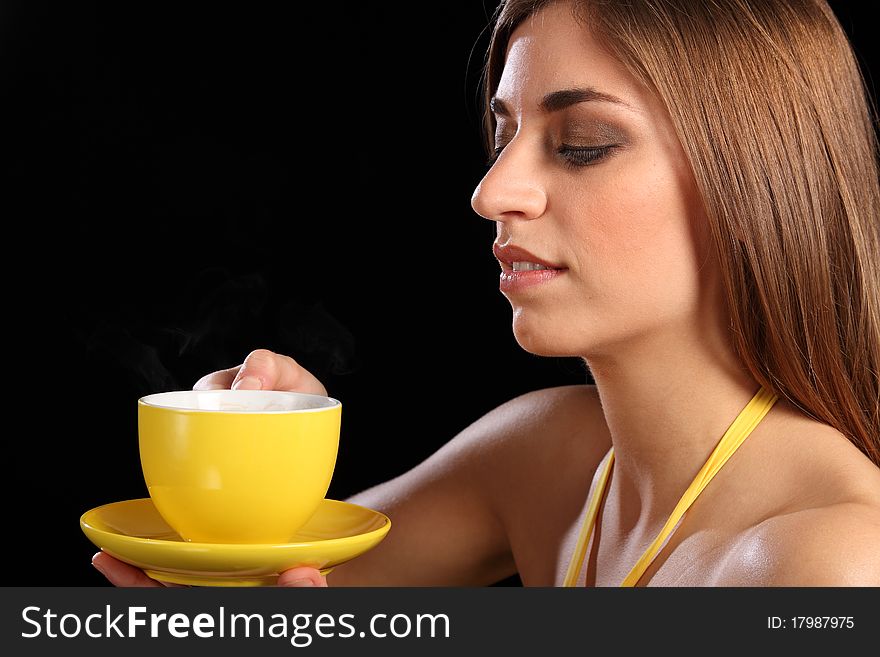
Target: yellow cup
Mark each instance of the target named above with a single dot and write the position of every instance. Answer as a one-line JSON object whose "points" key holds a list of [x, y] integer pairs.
{"points": [[238, 466]]}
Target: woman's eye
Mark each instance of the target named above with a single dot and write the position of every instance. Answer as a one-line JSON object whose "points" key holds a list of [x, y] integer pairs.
{"points": [[581, 156], [575, 156]]}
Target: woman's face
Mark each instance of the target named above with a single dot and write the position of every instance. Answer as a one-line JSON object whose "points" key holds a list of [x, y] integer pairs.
{"points": [[599, 188]]}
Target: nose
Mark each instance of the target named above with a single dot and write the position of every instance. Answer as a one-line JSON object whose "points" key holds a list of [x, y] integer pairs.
{"points": [[511, 189]]}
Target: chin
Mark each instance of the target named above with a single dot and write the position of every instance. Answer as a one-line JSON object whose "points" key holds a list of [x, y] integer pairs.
{"points": [[541, 340]]}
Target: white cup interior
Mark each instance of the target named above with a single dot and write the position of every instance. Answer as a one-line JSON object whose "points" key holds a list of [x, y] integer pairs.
{"points": [[240, 401]]}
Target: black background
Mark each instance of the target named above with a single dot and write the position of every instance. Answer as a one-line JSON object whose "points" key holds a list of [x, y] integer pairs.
{"points": [[187, 183]]}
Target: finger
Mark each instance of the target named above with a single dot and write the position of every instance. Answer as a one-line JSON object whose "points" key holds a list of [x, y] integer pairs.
{"points": [[302, 576], [220, 380], [122, 574], [266, 370]]}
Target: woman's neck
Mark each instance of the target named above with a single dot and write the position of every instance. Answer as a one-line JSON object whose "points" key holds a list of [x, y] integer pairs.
{"points": [[666, 404]]}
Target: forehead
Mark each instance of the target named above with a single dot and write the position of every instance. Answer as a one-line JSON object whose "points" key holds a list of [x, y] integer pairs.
{"points": [[553, 50]]}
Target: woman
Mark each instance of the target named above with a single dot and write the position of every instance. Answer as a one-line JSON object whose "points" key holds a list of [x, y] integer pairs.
{"points": [[686, 196]]}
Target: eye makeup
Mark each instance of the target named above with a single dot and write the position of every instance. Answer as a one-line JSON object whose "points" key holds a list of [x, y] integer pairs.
{"points": [[580, 142], [584, 143]]}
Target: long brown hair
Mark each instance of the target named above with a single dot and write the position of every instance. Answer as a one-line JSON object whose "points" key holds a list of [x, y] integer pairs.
{"points": [[771, 109]]}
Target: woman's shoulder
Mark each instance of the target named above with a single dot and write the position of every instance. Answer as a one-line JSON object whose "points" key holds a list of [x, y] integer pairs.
{"points": [[540, 440], [827, 532], [550, 443], [570, 414], [833, 545], [567, 424]]}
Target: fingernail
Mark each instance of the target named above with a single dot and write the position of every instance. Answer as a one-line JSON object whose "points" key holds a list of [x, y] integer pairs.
{"points": [[300, 582], [97, 564], [248, 383]]}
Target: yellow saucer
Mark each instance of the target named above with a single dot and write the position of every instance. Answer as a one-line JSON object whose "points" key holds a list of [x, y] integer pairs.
{"points": [[134, 532]]}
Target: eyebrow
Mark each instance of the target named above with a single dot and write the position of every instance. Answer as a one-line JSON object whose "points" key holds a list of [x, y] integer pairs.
{"points": [[559, 100]]}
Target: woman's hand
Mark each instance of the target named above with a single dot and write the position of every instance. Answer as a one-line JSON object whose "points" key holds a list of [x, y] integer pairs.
{"points": [[261, 370]]}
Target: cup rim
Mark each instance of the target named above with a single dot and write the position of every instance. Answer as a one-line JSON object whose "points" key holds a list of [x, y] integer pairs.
{"points": [[146, 401]]}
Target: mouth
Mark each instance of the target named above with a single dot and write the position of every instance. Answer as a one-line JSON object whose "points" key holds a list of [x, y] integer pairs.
{"points": [[522, 270], [525, 265], [517, 259]]}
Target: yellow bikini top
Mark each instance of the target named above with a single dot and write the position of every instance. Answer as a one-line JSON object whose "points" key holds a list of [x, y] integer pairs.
{"points": [[735, 435]]}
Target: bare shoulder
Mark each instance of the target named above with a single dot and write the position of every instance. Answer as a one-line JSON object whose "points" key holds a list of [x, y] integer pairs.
{"points": [[550, 443], [830, 546], [459, 516], [539, 431], [525, 430], [828, 535]]}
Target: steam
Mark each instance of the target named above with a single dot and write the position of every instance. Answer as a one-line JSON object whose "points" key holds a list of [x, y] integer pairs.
{"points": [[213, 323]]}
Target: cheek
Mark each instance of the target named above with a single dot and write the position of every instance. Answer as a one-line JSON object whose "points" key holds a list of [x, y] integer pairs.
{"points": [[640, 235]]}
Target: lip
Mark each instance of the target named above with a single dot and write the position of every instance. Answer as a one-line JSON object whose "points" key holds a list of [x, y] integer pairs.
{"points": [[513, 281]]}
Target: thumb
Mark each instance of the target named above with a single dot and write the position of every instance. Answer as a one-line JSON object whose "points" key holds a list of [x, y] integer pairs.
{"points": [[302, 576]]}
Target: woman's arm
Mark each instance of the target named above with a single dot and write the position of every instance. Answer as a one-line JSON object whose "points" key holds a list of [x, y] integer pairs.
{"points": [[453, 515], [445, 531]]}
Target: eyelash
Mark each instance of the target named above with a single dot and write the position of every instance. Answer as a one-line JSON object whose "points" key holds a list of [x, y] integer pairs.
{"points": [[575, 156]]}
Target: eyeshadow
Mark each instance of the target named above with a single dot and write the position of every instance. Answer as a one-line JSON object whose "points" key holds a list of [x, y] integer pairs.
{"points": [[593, 131]]}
